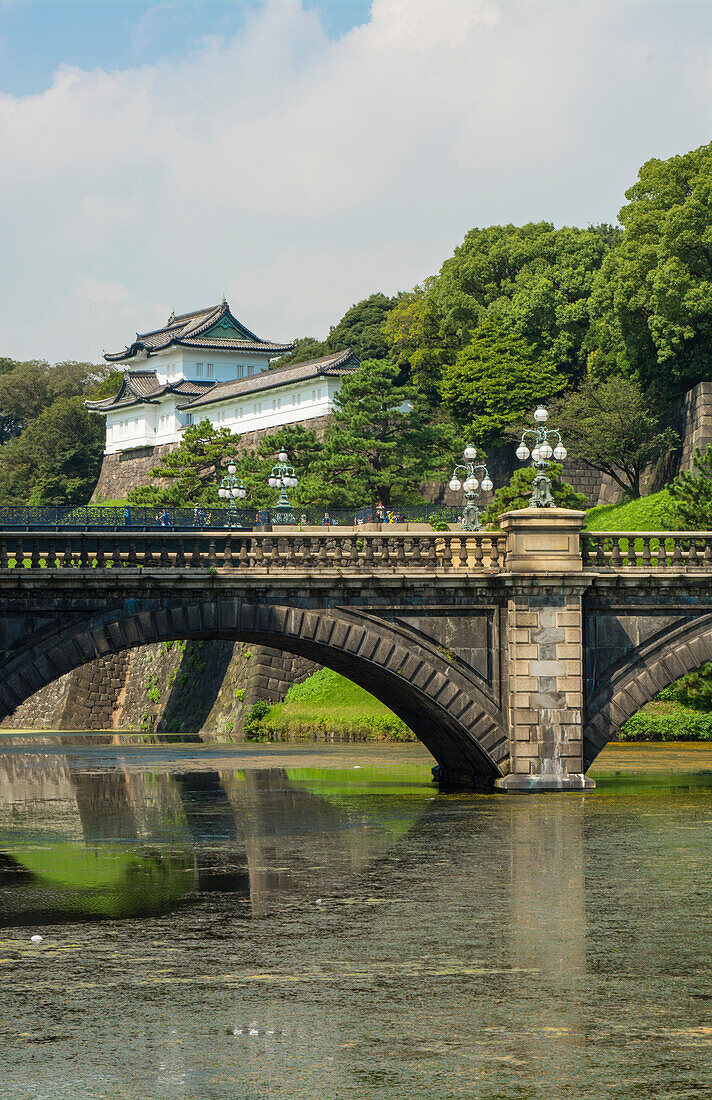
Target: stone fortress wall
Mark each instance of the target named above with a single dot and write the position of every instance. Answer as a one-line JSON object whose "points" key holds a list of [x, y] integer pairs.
{"points": [[208, 687]]}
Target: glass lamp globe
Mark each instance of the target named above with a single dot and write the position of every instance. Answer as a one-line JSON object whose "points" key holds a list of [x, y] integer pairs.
{"points": [[231, 468], [541, 415], [273, 482], [545, 450], [455, 485], [293, 482], [560, 452], [470, 453], [235, 492], [486, 485], [522, 452], [282, 456], [242, 493], [222, 493], [471, 483], [536, 454]]}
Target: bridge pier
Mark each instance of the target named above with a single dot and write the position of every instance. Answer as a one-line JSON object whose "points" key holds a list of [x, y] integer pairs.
{"points": [[544, 636]]}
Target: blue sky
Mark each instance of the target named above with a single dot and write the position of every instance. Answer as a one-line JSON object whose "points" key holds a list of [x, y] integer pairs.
{"points": [[298, 155], [37, 36]]}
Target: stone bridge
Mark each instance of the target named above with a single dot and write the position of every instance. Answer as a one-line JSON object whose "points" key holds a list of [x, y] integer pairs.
{"points": [[514, 655]]}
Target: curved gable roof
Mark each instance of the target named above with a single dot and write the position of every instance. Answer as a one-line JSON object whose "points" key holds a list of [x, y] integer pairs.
{"points": [[214, 327]]}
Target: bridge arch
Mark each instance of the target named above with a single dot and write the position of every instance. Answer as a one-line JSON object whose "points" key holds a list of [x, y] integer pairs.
{"points": [[437, 697], [640, 677]]}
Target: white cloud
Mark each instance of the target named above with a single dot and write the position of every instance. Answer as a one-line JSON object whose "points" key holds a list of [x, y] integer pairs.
{"points": [[300, 173]]}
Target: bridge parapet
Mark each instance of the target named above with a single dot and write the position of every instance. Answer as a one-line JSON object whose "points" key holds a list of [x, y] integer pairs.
{"points": [[449, 551], [617, 551]]}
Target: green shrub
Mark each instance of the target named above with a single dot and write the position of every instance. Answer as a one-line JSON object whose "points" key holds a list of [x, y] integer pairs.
{"points": [[661, 721], [254, 718]]}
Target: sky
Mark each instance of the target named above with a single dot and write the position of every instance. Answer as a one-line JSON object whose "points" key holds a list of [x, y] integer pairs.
{"points": [[298, 155]]}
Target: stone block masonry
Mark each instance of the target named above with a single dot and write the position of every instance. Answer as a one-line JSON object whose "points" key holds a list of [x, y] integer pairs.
{"points": [[544, 632]]}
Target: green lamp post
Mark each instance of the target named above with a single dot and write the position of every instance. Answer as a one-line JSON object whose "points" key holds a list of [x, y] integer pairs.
{"points": [[471, 511], [232, 489], [541, 452], [282, 477]]}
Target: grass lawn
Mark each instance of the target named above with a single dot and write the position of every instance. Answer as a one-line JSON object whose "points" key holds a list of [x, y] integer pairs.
{"points": [[644, 514], [331, 705]]}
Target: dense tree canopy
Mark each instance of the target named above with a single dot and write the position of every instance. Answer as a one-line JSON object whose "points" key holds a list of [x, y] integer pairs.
{"points": [[57, 458], [652, 303], [496, 380]]}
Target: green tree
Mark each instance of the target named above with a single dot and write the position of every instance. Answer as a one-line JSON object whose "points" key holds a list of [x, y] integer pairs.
{"points": [[495, 381], [691, 495], [56, 460], [652, 303], [420, 340], [34, 385], [193, 471], [380, 446], [537, 280], [517, 492], [610, 426]]}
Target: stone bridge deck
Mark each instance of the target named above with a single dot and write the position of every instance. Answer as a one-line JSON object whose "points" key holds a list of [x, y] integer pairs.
{"points": [[514, 655]]}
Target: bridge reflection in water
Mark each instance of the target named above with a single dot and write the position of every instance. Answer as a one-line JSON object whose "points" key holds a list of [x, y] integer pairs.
{"points": [[347, 932]]}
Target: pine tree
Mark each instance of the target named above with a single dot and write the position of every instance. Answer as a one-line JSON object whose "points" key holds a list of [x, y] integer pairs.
{"points": [[380, 446]]}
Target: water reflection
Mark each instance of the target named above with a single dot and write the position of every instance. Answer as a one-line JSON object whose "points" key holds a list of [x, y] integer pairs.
{"points": [[349, 933]]}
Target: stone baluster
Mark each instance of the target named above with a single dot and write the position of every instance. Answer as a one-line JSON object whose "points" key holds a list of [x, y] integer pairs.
{"points": [[631, 556], [258, 552], [400, 552], [338, 551], [195, 556], [415, 551], [676, 559], [99, 557], [212, 555], [35, 560], [180, 553], [227, 553], [647, 556], [446, 552], [4, 558], [462, 554], [368, 551], [244, 554], [478, 552]]}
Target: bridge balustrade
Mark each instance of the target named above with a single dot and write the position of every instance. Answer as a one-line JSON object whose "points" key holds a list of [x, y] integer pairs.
{"points": [[616, 551], [265, 552]]}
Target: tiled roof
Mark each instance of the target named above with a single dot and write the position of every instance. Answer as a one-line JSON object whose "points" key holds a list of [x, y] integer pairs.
{"points": [[337, 364], [142, 387], [188, 330]]}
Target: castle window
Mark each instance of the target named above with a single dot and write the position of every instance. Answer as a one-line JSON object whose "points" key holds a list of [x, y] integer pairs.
{"points": [[188, 418], [209, 370], [198, 370], [250, 372]]}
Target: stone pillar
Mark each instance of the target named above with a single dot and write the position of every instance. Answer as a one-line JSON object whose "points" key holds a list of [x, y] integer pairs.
{"points": [[544, 636]]}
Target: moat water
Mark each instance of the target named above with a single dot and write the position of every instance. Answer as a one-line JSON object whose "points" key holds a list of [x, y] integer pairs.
{"points": [[307, 922]]}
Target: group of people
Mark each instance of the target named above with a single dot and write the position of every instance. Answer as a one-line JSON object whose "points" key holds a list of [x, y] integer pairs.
{"points": [[202, 518]]}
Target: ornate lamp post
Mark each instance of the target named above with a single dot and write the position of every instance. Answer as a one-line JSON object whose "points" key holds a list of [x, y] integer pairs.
{"points": [[283, 477], [232, 489], [471, 511], [541, 452]]}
